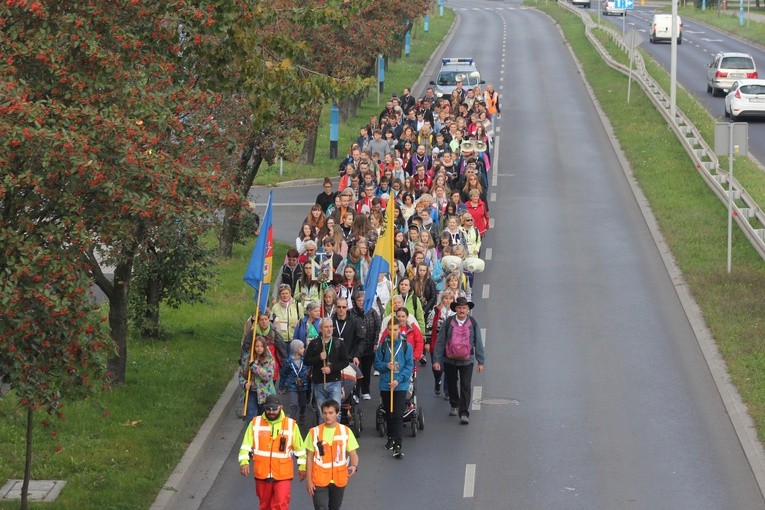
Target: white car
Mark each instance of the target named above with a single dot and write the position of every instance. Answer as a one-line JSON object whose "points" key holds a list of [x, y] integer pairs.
{"points": [[583, 3], [745, 98], [609, 8]]}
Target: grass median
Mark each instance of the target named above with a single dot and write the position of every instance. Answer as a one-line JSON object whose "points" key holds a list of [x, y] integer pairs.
{"points": [[692, 219]]}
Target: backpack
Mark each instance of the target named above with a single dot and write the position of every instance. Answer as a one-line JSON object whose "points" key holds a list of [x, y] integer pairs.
{"points": [[459, 349]]}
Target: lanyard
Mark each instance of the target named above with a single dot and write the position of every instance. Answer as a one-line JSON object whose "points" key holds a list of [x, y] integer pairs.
{"points": [[393, 354], [330, 346], [339, 329], [297, 372]]}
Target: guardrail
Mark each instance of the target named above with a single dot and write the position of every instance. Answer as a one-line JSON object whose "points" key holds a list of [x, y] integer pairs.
{"points": [[749, 216]]}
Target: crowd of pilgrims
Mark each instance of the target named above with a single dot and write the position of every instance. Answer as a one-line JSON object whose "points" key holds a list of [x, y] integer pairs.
{"points": [[432, 158]]}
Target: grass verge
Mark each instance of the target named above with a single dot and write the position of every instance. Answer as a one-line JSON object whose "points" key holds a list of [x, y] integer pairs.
{"points": [[691, 218], [118, 448], [399, 74]]}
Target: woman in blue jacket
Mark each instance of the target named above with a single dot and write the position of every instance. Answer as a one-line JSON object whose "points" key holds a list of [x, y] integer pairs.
{"points": [[397, 359]]}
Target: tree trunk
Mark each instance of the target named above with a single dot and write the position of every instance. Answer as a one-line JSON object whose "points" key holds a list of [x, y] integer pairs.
{"points": [[27, 461], [118, 320], [248, 169], [309, 147], [345, 108], [153, 298]]}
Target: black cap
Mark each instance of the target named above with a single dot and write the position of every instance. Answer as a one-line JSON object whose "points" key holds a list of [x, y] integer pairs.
{"points": [[272, 400]]}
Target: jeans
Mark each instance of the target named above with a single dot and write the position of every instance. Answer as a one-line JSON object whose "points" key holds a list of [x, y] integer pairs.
{"points": [[459, 399], [328, 498], [334, 391]]}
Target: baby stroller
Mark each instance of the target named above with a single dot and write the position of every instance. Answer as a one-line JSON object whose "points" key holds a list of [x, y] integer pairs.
{"points": [[413, 416], [351, 413]]}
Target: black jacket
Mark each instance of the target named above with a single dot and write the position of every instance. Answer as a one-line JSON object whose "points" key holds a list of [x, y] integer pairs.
{"points": [[351, 332], [371, 322], [337, 359]]}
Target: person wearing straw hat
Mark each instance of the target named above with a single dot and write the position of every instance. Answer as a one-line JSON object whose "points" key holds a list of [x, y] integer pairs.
{"points": [[458, 349]]}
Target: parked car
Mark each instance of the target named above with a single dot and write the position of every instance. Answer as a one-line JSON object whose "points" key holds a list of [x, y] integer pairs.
{"points": [[584, 3], [661, 28], [609, 8], [727, 68], [745, 98]]}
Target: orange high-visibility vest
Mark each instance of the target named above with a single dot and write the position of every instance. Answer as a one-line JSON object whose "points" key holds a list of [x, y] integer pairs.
{"points": [[332, 467], [268, 461], [491, 104]]}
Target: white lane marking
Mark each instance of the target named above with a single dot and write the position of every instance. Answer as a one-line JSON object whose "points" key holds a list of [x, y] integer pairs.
{"points": [[491, 222], [485, 291], [488, 254], [483, 336], [495, 154], [467, 491], [477, 395], [498, 129], [493, 197]]}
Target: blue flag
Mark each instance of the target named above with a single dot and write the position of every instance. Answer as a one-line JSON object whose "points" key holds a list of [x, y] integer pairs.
{"points": [[260, 268]]}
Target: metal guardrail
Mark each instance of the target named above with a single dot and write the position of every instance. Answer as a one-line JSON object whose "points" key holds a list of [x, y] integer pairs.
{"points": [[749, 216]]}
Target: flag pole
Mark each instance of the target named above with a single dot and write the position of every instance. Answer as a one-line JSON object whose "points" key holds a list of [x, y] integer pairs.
{"points": [[392, 318], [252, 352]]}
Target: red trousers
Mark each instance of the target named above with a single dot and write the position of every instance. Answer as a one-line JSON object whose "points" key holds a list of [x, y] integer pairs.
{"points": [[273, 495]]}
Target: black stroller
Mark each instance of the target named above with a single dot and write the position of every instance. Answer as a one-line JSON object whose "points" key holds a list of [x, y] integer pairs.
{"points": [[413, 416]]}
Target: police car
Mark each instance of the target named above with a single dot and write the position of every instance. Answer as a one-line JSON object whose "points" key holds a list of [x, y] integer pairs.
{"points": [[453, 70]]}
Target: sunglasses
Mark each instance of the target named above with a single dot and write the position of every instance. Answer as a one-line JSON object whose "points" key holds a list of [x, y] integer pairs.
{"points": [[340, 307], [272, 407]]}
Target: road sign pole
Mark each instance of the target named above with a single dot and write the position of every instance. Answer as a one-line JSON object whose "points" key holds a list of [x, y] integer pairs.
{"points": [[730, 195]]}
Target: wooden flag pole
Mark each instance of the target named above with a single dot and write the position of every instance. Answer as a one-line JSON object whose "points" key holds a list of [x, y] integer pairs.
{"points": [[252, 353], [392, 343]]}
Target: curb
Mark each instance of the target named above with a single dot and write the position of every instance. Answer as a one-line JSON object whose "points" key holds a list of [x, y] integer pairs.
{"points": [[180, 480], [743, 425]]}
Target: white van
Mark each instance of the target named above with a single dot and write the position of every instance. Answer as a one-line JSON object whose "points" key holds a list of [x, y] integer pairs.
{"points": [[661, 28]]}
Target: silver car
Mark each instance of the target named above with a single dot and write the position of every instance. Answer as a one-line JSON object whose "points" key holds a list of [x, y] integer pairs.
{"points": [[727, 68], [453, 70]]}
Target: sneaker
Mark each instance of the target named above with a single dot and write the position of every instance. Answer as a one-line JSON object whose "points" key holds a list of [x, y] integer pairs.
{"points": [[464, 420], [446, 396], [377, 372], [438, 388], [453, 411], [397, 452], [366, 396], [389, 444]]}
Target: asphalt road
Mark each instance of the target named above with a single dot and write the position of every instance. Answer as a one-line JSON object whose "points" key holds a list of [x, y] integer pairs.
{"points": [[700, 44], [595, 394]]}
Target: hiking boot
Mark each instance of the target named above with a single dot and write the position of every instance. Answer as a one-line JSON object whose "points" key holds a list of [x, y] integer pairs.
{"points": [[389, 444], [464, 420], [397, 452], [438, 388], [453, 411]]}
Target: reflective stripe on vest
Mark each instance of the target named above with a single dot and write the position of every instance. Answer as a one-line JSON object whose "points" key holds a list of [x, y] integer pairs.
{"points": [[268, 461], [332, 467]]}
